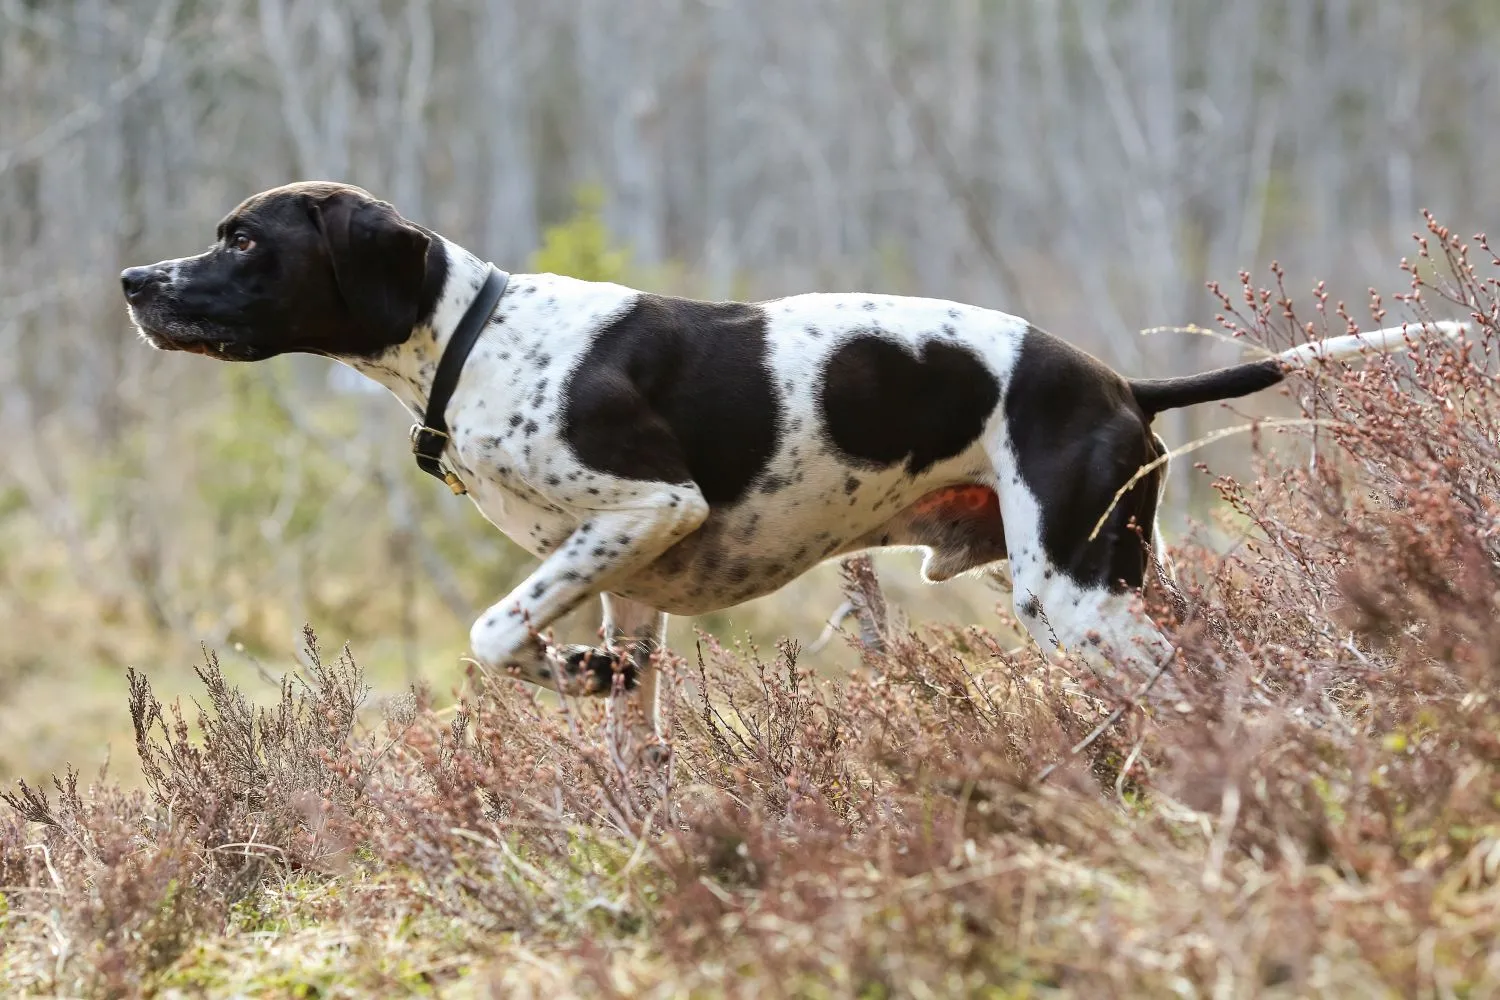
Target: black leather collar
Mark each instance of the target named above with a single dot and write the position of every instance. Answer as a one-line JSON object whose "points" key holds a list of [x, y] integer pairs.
{"points": [[430, 438]]}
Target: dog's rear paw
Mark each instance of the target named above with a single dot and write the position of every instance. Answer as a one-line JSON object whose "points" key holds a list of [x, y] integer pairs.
{"points": [[588, 670]]}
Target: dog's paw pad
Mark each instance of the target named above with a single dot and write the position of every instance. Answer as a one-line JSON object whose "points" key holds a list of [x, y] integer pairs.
{"points": [[589, 670]]}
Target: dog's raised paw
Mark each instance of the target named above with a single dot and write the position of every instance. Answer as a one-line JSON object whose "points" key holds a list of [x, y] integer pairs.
{"points": [[589, 670]]}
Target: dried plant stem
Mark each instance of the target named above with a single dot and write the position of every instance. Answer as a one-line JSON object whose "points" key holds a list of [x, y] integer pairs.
{"points": [[1110, 720], [1191, 446]]}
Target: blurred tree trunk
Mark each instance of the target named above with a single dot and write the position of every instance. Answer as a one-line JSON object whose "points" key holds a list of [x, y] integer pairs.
{"points": [[502, 119]]}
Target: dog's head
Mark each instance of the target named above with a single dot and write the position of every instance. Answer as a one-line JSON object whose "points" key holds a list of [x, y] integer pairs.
{"points": [[312, 267]]}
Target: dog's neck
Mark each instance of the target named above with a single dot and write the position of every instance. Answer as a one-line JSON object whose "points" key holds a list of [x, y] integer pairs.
{"points": [[408, 368]]}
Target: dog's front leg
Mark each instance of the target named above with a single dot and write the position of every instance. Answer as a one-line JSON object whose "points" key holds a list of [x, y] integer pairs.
{"points": [[605, 547], [633, 632]]}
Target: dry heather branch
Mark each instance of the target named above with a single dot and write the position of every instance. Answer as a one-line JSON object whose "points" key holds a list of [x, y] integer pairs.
{"points": [[862, 591], [865, 600], [1254, 427]]}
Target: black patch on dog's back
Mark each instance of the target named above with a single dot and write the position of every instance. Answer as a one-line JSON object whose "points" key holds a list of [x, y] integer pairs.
{"points": [[882, 404], [674, 391], [1078, 437]]}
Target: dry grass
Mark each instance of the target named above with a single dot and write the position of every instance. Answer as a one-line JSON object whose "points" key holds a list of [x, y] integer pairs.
{"points": [[1320, 815]]}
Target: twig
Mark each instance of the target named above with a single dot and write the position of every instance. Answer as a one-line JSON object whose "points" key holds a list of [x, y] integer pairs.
{"points": [[1129, 762], [640, 846], [47, 860], [1114, 717], [249, 849], [831, 628], [1229, 811], [862, 591], [1161, 460], [1200, 331]]}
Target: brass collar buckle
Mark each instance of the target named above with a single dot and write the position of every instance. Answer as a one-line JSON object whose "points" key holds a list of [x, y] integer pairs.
{"points": [[428, 443]]}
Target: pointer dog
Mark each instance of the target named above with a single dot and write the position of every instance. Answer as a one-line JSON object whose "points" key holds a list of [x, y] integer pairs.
{"points": [[678, 457]]}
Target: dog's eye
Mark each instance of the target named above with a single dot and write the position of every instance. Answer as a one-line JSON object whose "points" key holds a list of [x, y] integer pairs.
{"points": [[241, 242]]}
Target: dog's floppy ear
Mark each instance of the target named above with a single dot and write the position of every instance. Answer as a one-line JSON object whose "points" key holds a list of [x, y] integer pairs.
{"points": [[379, 261]]}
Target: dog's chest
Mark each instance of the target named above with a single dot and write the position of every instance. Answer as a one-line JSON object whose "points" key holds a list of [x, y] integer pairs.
{"points": [[498, 462], [532, 523], [507, 411], [504, 449]]}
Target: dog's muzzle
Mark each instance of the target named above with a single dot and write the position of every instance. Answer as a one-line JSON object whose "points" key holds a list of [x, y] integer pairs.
{"points": [[142, 286], [141, 283]]}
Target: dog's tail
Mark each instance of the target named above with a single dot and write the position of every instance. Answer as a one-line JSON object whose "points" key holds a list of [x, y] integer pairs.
{"points": [[1154, 395]]}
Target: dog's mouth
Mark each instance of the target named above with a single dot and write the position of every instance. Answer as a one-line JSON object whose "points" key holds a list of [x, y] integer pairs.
{"points": [[193, 339], [219, 350]]}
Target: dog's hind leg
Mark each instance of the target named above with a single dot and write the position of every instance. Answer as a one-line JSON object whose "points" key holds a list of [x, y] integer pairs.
{"points": [[633, 632], [637, 631]]}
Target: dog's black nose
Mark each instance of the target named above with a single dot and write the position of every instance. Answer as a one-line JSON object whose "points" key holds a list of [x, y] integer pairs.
{"points": [[136, 280]]}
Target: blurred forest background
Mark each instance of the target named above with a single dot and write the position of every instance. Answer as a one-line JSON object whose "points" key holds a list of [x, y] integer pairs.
{"points": [[1086, 163]]}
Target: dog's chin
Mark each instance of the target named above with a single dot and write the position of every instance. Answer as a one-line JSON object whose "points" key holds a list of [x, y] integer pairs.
{"points": [[220, 348]]}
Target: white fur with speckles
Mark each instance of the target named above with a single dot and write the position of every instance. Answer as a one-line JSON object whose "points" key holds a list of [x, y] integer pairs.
{"points": [[658, 545]]}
